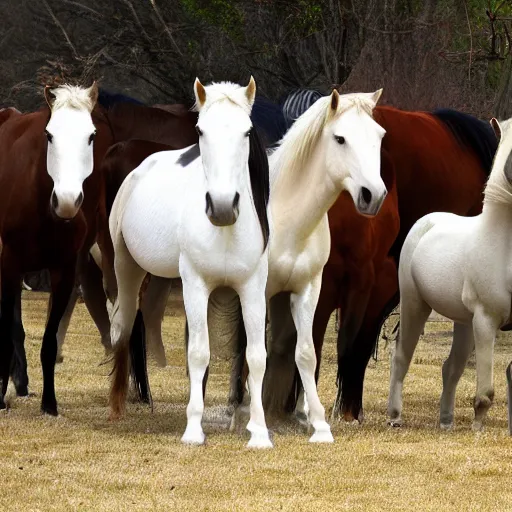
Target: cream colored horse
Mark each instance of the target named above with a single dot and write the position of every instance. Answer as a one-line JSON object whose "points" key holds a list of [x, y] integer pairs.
{"points": [[462, 268]]}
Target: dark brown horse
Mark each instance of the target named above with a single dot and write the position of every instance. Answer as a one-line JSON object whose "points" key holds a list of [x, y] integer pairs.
{"points": [[50, 208], [442, 161]]}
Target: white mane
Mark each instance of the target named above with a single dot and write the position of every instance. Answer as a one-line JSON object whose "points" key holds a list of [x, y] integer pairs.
{"points": [[498, 189], [72, 96], [299, 142], [225, 91]]}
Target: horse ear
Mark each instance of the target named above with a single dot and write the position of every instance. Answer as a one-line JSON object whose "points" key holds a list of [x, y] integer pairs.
{"points": [[250, 91], [200, 93], [49, 96], [376, 96], [496, 127], [93, 93], [335, 98]]}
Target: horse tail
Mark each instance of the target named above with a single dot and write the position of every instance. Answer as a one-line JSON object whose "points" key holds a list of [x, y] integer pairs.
{"points": [[139, 367], [471, 133]]}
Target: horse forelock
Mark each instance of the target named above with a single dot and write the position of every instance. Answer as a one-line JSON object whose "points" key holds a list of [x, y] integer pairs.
{"points": [[224, 92], [71, 96]]}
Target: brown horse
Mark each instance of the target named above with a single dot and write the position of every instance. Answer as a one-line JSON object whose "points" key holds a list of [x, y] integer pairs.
{"points": [[442, 160], [50, 208]]}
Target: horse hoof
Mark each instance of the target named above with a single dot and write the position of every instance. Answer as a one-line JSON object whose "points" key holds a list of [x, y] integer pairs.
{"points": [[50, 410], [193, 436], [22, 392], [446, 426], [260, 441], [321, 437], [322, 434], [396, 423], [59, 359], [477, 426]]}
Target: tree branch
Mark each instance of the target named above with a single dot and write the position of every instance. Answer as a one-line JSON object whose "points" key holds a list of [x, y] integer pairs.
{"points": [[59, 25]]}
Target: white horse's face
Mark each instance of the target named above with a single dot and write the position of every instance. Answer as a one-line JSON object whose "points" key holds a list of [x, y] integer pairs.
{"points": [[353, 146], [69, 159], [224, 128]]}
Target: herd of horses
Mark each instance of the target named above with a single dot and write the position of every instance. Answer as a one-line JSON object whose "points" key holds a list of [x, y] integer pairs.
{"points": [[267, 213]]}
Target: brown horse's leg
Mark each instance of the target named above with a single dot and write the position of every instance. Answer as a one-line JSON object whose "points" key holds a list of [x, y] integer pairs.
{"points": [[91, 279], [352, 365], [19, 373], [64, 323], [8, 305], [62, 287]]}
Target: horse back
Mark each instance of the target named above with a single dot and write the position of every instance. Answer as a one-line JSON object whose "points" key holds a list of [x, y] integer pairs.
{"points": [[434, 171]]}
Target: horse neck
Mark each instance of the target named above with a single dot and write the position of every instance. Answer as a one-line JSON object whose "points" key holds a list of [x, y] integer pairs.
{"points": [[301, 198]]}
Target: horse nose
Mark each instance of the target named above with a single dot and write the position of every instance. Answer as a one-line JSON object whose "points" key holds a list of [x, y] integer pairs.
{"points": [[222, 210], [65, 205], [369, 203]]}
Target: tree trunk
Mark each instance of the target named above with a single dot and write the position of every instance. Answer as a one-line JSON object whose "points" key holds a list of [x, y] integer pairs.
{"points": [[503, 105]]}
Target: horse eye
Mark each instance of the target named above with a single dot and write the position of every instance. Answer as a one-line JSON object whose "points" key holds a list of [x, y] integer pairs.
{"points": [[339, 139], [49, 136], [91, 138], [248, 132], [199, 131]]}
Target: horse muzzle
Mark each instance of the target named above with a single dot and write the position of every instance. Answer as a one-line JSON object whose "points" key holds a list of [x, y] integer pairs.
{"points": [[66, 206], [222, 211], [369, 203]]}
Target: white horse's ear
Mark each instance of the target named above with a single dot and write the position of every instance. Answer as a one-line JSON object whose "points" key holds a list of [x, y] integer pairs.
{"points": [[335, 98], [250, 91], [49, 96], [496, 127], [376, 96], [93, 94], [200, 93]]}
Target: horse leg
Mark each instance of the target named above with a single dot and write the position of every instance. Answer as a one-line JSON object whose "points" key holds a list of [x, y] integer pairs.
{"points": [[19, 373], [129, 279], [303, 307], [414, 312], [64, 323], [8, 304], [453, 368], [484, 331], [352, 364], [254, 308], [152, 305], [91, 279], [195, 297], [279, 383], [62, 282]]}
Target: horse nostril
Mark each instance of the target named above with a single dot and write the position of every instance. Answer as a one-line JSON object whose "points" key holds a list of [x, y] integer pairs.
{"points": [[79, 200], [209, 204], [236, 201], [54, 201], [366, 195]]}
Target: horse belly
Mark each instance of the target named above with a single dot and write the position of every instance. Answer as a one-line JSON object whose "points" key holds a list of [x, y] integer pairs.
{"points": [[437, 270], [150, 228]]}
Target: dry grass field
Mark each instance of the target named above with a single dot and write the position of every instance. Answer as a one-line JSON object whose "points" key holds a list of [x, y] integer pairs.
{"points": [[81, 461]]}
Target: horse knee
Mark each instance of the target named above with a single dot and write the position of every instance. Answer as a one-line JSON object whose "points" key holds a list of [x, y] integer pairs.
{"points": [[198, 357], [256, 360], [305, 356]]}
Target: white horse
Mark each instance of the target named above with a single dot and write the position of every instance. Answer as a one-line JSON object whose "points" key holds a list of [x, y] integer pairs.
{"points": [[460, 267], [199, 213], [333, 146]]}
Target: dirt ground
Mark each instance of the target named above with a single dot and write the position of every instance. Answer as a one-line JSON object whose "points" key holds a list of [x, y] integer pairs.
{"points": [[81, 461]]}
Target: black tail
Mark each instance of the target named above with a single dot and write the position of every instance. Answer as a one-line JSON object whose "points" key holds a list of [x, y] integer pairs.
{"points": [[471, 133], [139, 367]]}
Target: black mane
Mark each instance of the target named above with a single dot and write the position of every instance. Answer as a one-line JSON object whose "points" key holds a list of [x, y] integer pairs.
{"points": [[471, 133], [260, 181]]}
